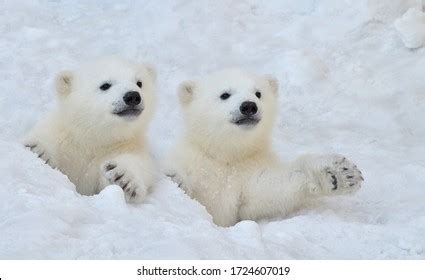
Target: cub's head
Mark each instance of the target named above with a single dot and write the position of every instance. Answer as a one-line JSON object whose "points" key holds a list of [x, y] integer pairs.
{"points": [[109, 95], [230, 110]]}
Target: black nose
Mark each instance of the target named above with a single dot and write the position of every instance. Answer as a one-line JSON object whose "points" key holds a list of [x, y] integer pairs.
{"points": [[248, 108], [132, 98]]}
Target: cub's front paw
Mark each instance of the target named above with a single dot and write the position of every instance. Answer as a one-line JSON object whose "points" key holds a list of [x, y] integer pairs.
{"points": [[117, 174], [176, 179], [340, 176], [40, 150]]}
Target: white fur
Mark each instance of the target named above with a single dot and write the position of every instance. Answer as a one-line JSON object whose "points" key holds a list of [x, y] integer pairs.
{"points": [[90, 144], [230, 169]]}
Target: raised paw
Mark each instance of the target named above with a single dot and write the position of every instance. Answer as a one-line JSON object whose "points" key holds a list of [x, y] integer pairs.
{"points": [[116, 174], [38, 149], [340, 176]]}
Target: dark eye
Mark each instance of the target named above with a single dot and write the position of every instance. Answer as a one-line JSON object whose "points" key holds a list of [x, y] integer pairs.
{"points": [[139, 84], [224, 96], [258, 94], [105, 86]]}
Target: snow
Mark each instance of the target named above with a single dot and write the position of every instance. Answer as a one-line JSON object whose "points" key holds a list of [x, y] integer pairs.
{"points": [[348, 84], [411, 27]]}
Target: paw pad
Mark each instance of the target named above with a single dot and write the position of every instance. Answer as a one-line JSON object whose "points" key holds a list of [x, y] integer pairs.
{"points": [[343, 176]]}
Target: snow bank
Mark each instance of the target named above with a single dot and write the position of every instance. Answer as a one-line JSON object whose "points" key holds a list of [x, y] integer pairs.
{"points": [[347, 86]]}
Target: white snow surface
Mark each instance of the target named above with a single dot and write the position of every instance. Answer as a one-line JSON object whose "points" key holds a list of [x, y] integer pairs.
{"points": [[348, 85], [411, 27]]}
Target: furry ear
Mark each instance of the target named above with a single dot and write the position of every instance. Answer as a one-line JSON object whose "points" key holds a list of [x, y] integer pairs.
{"points": [[186, 91], [151, 71], [64, 83], [273, 83]]}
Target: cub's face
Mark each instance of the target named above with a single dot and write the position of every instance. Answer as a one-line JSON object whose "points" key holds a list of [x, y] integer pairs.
{"points": [[108, 94], [229, 105]]}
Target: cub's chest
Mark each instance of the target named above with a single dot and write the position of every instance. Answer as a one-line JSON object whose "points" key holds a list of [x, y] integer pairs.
{"points": [[214, 179], [71, 155], [78, 164]]}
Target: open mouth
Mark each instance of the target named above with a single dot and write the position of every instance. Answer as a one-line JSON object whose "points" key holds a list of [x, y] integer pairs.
{"points": [[246, 121], [129, 112]]}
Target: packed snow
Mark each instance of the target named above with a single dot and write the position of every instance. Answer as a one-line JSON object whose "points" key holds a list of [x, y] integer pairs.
{"points": [[349, 84]]}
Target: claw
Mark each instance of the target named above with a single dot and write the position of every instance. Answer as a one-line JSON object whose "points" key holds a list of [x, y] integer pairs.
{"points": [[110, 166], [30, 146], [334, 182], [118, 177]]}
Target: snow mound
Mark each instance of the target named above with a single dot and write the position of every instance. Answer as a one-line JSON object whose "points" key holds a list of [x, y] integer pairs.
{"points": [[411, 27], [392, 9]]}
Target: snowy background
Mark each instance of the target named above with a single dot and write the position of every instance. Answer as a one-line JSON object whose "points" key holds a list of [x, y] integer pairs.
{"points": [[352, 77]]}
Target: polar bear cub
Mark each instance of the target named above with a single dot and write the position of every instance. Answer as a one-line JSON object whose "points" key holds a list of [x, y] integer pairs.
{"points": [[224, 160], [96, 136]]}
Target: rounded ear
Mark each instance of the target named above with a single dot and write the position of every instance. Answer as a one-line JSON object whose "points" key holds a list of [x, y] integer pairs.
{"points": [[273, 83], [186, 91], [64, 83], [151, 71]]}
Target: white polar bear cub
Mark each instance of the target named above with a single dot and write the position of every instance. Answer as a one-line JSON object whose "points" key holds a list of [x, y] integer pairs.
{"points": [[225, 161], [96, 135]]}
